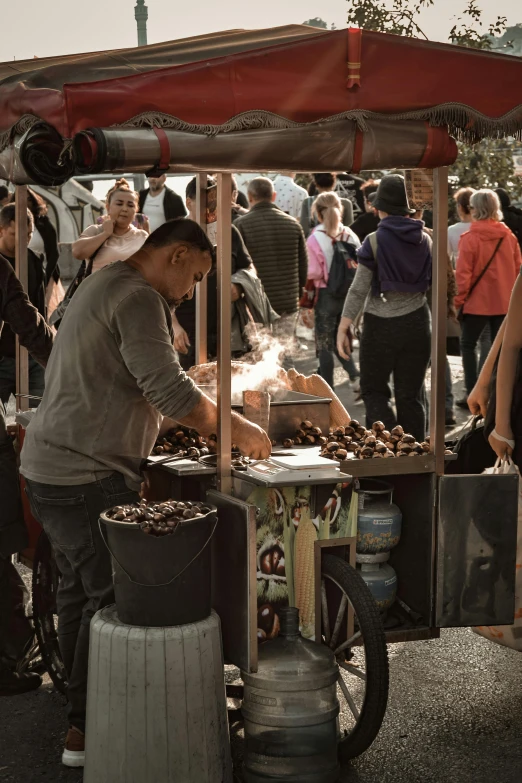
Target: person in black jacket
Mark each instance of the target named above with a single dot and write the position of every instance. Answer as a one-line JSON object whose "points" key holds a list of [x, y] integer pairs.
{"points": [[36, 290], [159, 203], [512, 215], [15, 632], [369, 221], [184, 320], [44, 239]]}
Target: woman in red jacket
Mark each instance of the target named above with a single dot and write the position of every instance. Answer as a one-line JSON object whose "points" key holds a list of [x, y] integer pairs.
{"points": [[487, 267]]}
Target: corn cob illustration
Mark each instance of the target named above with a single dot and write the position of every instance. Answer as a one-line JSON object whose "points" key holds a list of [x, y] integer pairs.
{"points": [[304, 571]]}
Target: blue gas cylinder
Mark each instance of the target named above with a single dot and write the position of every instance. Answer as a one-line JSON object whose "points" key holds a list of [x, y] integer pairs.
{"points": [[379, 520]]}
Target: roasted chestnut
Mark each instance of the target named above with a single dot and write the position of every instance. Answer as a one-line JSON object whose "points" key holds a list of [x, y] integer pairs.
{"points": [[408, 438], [341, 454], [288, 443], [333, 446], [306, 425], [378, 426], [398, 431]]}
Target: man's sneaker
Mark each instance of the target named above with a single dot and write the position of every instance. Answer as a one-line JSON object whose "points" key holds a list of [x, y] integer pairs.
{"points": [[12, 683], [463, 403], [74, 751], [450, 419]]}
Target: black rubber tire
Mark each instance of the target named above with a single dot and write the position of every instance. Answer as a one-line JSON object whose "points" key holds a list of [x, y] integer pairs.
{"points": [[377, 667], [45, 583]]}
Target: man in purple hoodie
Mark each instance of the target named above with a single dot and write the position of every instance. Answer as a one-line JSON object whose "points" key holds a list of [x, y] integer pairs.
{"points": [[390, 286]]}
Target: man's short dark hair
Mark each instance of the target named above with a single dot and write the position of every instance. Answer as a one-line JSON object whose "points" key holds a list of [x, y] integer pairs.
{"points": [[261, 189], [4, 192], [180, 230], [192, 188], [324, 180], [8, 216]]}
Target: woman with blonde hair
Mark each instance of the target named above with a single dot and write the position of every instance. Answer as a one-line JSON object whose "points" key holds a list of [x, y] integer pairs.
{"points": [[321, 244], [115, 238], [487, 267]]}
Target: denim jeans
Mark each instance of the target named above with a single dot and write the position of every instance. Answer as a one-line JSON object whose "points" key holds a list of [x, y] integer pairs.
{"points": [[69, 515], [328, 312], [472, 328], [8, 379]]}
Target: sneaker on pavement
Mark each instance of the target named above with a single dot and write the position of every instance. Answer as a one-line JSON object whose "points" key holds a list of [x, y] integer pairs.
{"points": [[463, 403], [12, 683], [450, 419], [74, 751]]}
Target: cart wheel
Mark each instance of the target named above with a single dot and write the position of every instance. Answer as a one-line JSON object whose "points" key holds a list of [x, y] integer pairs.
{"points": [[45, 583], [362, 659]]}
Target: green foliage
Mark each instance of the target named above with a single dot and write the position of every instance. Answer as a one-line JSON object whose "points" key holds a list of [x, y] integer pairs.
{"points": [[317, 22], [469, 29], [400, 17], [488, 164]]}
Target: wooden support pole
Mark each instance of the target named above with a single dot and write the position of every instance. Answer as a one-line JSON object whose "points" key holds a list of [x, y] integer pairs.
{"points": [[201, 288], [439, 312], [21, 240], [224, 357]]}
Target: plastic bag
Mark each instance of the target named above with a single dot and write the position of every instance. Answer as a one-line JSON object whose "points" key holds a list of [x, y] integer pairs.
{"points": [[509, 635]]}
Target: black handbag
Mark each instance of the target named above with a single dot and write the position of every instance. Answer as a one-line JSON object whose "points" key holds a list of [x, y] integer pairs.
{"points": [[474, 454]]}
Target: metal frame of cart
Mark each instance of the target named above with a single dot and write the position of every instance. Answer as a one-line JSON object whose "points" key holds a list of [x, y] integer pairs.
{"points": [[448, 518]]}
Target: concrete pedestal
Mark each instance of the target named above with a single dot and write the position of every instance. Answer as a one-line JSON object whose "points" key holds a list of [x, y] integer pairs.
{"points": [[156, 705]]}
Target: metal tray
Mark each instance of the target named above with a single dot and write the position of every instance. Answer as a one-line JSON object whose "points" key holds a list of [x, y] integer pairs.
{"points": [[287, 410]]}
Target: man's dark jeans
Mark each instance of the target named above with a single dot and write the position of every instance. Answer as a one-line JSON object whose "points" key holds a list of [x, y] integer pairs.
{"points": [[69, 515]]}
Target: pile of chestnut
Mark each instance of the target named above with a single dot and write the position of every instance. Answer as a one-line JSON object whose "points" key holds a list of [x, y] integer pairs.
{"points": [[306, 435], [158, 519], [370, 444], [185, 442]]}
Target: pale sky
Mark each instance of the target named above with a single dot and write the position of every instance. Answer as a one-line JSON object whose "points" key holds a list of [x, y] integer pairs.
{"points": [[50, 27]]}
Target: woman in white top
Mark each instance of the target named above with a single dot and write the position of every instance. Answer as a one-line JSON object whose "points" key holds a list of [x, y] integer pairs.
{"points": [[327, 210], [115, 238]]}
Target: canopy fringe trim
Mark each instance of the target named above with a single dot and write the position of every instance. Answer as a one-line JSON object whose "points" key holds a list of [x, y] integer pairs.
{"points": [[463, 122]]}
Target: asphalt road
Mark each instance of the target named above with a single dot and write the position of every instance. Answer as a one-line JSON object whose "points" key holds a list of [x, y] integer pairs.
{"points": [[454, 716]]}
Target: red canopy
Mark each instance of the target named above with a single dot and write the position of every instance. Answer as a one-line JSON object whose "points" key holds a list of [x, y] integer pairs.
{"points": [[297, 73]]}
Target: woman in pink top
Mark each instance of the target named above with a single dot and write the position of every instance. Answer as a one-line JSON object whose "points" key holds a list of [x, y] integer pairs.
{"points": [[115, 238], [327, 209], [486, 301]]}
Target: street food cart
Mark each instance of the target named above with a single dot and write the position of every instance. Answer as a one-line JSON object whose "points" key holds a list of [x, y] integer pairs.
{"points": [[308, 100]]}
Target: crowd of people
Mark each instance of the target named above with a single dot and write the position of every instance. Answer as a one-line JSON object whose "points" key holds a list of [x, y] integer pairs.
{"points": [[354, 252]]}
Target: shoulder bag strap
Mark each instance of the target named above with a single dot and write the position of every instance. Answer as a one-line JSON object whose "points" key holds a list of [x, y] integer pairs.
{"points": [[479, 278]]}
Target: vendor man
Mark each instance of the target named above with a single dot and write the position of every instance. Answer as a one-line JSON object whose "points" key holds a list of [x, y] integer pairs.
{"points": [[112, 375]]}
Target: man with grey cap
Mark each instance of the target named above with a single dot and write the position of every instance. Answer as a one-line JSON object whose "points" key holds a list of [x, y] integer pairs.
{"points": [[390, 285]]}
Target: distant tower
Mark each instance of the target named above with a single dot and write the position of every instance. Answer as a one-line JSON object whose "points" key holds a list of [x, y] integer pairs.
{"points": [[141, 14]]}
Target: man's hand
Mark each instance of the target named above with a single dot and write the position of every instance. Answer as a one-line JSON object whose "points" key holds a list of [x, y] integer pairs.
{"points": [[108, 225], [478, 400], [236, 292], [251, 440], [181, 339]]}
